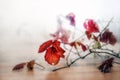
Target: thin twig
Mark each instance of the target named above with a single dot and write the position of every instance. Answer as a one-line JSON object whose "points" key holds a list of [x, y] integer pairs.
{"points": [[105, 27], [72, 62], [91, 51], [68, 55], [105, 53], [40, 65]]}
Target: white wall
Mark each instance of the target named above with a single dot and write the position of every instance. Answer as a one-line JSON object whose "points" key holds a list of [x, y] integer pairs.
{"points": [[24, 22]]}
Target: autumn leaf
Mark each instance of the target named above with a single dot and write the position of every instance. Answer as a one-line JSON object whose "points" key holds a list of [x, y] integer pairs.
{"points": [[91, 26], [108, 37], [88, 34], [19, 66], [52, 56], [112, 39], [95, 38], [106, 65], [56, 43], [83, 47], [44, 46], [30, 64], [75, 44]]}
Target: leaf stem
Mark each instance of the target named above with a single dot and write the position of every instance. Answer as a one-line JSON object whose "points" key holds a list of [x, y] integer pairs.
{"points": [[40, 65]]}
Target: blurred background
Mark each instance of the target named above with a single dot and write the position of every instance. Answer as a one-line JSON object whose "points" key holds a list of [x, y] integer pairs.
{"points": [[25, 24]]}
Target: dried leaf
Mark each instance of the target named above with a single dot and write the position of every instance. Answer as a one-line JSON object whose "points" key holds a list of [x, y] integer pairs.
{"points": [[106, 65], [19, 66], [108, 37], [88, 34], [30, 65], [95, 38], [44, 46], [52, 56], [75, 44], [83, 47]]}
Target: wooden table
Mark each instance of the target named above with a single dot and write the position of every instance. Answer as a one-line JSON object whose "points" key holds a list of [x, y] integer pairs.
{"points": [[81, 70]]}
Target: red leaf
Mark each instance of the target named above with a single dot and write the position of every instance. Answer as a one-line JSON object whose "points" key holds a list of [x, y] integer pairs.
{"points": [[91, 26], [56, 43], [95, 38], [88, 34], [72, 44], [60, 51], [19, 66], [112, 40], [51, 56], [108, 37], [83, 47], [44, 46]]}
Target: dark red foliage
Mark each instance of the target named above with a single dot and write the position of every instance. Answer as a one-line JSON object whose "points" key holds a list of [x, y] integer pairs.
{"points": [[54, 53], [108, 37], [88, 34], [19, 66], [91, 26], [71, 17], [106, 65], [83, 47], [95, 38]]}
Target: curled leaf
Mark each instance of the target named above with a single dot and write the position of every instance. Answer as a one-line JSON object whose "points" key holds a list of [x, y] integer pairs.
{"points": [[30, 65], [75, 44], [88, 34], [83, 47], [44, 46], [95, 38], [19, 66]]}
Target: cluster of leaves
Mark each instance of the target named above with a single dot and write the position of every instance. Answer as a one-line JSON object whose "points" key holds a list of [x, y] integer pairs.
{"points": [[29, 65], [54, 49]]}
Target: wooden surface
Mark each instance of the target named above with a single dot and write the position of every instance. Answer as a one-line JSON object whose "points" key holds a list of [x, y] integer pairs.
{"points": [[81, 70]]}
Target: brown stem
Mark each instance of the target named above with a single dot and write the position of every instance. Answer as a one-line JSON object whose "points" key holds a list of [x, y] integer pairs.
{"points": [[90, 52], [40, 65], [105, 53], [72, 62]]}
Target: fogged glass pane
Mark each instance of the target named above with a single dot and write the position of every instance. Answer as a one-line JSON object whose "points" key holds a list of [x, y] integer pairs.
{"points": [[24, 24]]}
